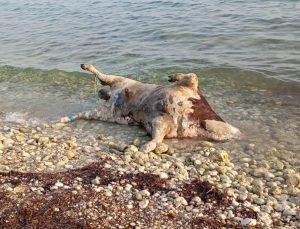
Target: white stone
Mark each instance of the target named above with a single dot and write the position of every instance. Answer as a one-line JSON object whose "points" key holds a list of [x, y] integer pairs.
{"points": [[145, 193], [163, 175], [143, 203], [248, 221], [59, 184]]}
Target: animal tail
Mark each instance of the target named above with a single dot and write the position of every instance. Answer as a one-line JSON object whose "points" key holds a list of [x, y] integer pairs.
{"points": [[221, 131]]}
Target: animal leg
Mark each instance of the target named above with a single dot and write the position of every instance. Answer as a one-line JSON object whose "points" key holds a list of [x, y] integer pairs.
{"points": [[104, 79], [160, 127], [100, 114]]}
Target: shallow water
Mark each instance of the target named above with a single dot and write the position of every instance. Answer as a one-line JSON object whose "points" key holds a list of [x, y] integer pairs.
{"points": [[247, 55]]}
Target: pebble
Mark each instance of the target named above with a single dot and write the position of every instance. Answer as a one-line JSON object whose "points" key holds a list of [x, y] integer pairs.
{"points": [[161, 148], [293, 179], [289, 212], [138, 196], [248, 222], [129, 206], [222, 169], [43, 140], [265, 218], [145, 193], [222, 216], [259, 201], [163, 175], [220, 155], [258, 187], [242, 196], [108, 193], [281, 207], [59, 184], [144, 203], [180, 201]]}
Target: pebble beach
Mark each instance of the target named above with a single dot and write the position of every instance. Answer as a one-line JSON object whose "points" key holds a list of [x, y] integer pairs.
{"points": [[97, 182]]}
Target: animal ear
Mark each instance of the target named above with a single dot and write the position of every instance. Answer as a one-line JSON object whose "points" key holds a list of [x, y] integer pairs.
{"points": [[128, 93], [176, 77]]}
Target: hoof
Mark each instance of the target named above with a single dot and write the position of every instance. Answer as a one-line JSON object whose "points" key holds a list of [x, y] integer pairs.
{"points": [[83, 66]]}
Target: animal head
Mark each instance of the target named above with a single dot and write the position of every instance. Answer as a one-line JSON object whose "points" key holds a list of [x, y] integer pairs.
{"points": [[121, 103]]}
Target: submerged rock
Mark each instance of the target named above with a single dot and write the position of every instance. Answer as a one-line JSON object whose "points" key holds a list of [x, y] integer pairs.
{"points": [[220, 155]]}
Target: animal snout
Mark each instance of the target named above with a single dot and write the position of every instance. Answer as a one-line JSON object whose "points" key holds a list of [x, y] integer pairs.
{"points": [[171, 78]]}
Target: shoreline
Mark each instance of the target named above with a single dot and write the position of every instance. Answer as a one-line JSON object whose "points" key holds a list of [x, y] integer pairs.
{"points": [[259, 194]]}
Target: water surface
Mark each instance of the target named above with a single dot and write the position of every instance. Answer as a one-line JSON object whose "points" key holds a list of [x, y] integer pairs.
{"points": [[247, 55]]}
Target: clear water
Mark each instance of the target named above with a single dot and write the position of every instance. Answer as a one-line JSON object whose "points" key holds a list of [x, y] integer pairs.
{"points": [[246, 53]]}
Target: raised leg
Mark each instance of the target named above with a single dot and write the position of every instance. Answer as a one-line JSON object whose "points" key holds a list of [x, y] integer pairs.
{"points": [[104, 79]]}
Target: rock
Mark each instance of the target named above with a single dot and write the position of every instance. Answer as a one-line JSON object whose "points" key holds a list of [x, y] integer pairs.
{"points": [[128, 187], [248, 222], [258, 187], [293, 179], [54, 187], [189, 208], [221, 169], [220, 155], [275, 190], [71, 154], [129, 206], [161, 148], [144, 203], [242, 196], [259, 172], [58, 126], [1, 146], [8, 142], [63, 160], [20, 189], [145, 193], [278, 165], [163, 175], [265, 218], [131, 149], [281, 207], [136, 142], [20, 137], [59, 184], [259, 201], [108, 193], [138, 196], [43, 140], [289, 212], [180, 201], [196, 201], [96, 180], [222, 216]]}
